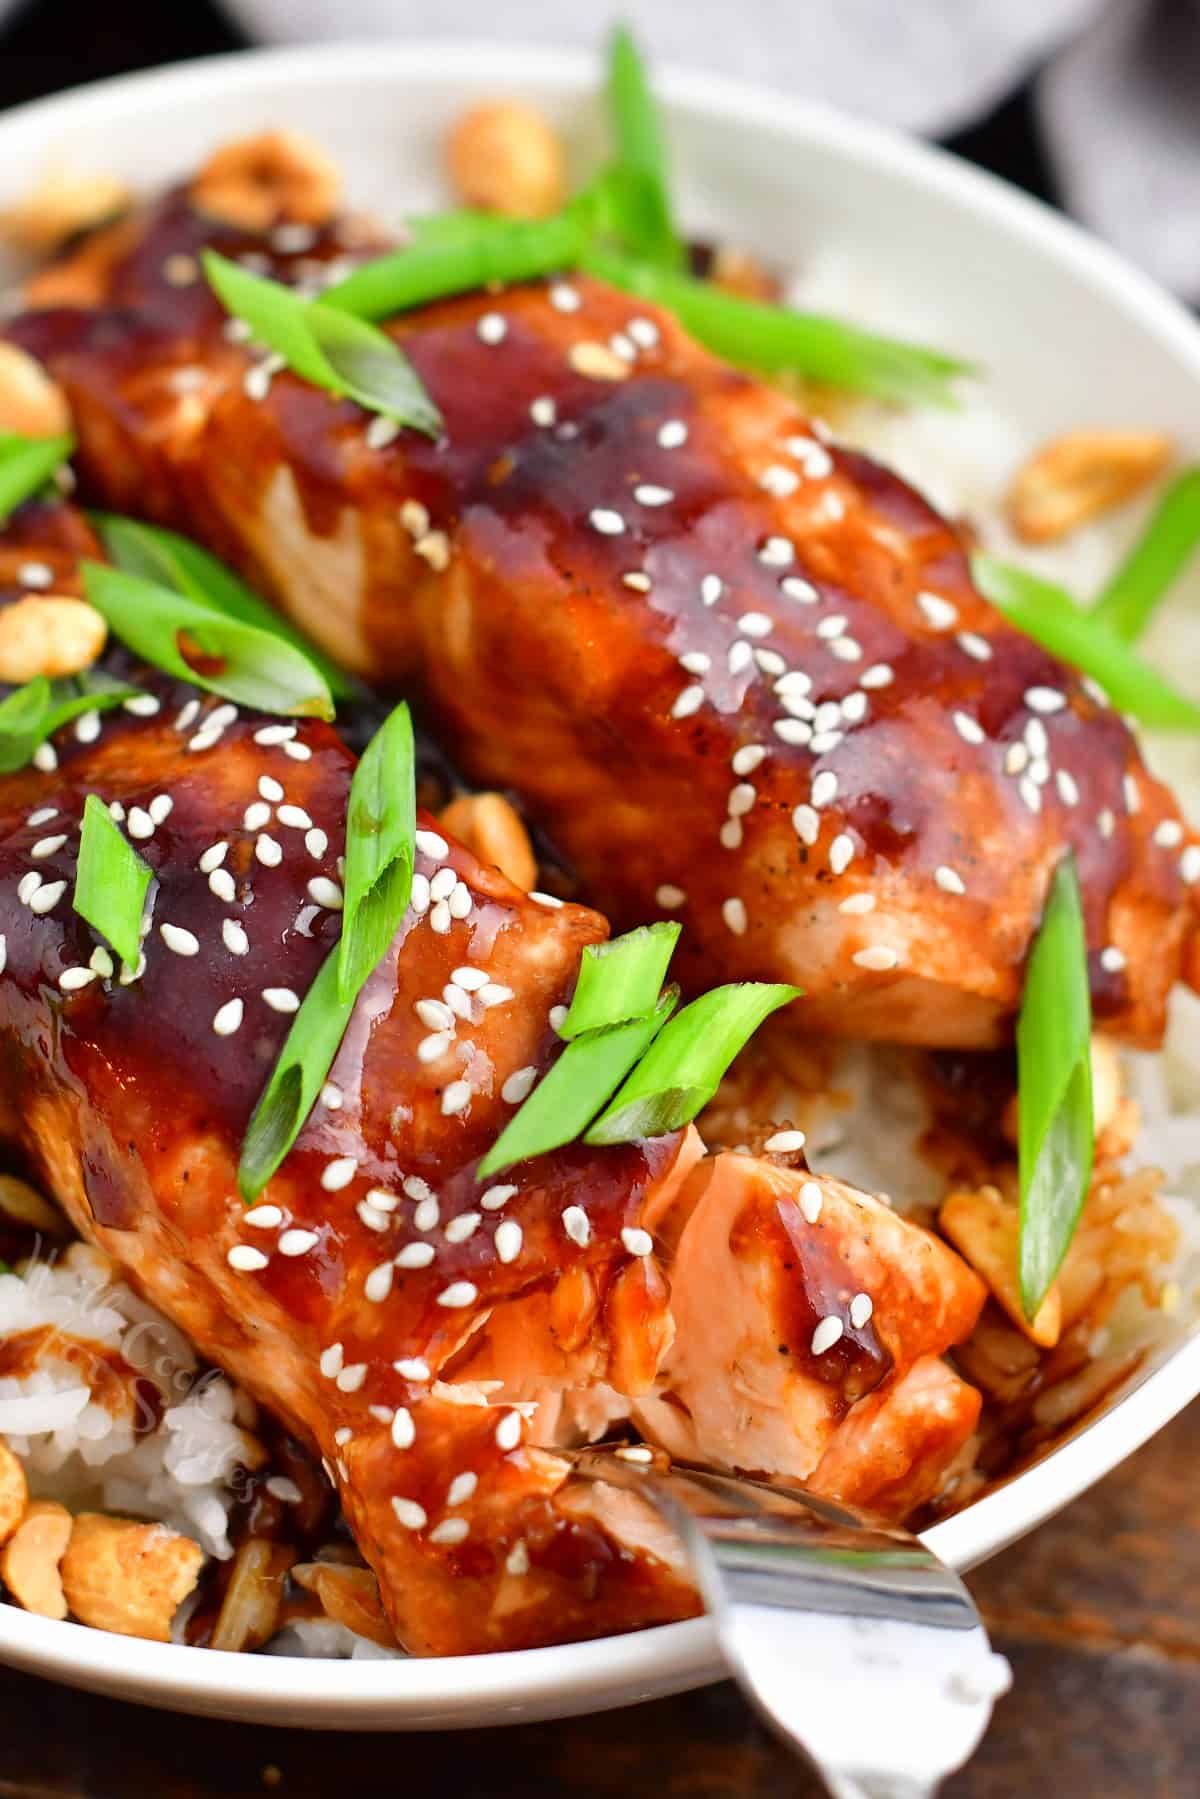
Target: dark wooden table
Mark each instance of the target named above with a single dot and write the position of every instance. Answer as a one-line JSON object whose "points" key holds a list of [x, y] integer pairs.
{"points": [[1099, 1613]]}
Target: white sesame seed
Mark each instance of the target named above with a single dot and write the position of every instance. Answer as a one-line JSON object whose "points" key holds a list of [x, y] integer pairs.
{"points": [[460, 901], [564, 298], [263, 1218], [854, 708], [142, 705], [228, 1018], [1189, 864], [257, 814], [87, 727], [430, 844], [1133, 799], [755, 624], [973, 645], [733, 911], [497, 1196], [517, 1560], [636, 1241], [297, 1242], [443, 884], [1068, 790], [1030, 793], [857, 903], [179, 941], [841, 853], [797, 588], [294, 817], [161, 807], [741, 799], [968, 728], [509, 1238], [556, 1017], [940, 613], [72, 979], [1036, 740], [695, 662], [403, 1429], [458, 1294], [46, 846], [45, 758], [411, 1515], [747, 759], [462, 1227], [1045, 699], [690, 700], [41, 816], [518, 1085], [880, 674], [415, 1255], [577, 1225], [456, 1098], [647, 494], [47, 897], [28, 885], [432, 1048], [783, 1143], [672, 435], [412, 1368], [827, 1333], [378, 1283], [234, 937], [339, 1173], [607, 522], [213, 857], [1112, 960], [806, 824], [281, 999], [246, 1259], [434, 1014], [352, 1378], [269, 853], [1016, 759], [140, 824], [426, 1213], [824, 788], [1169, 834], [777, 552], [316, 843], [550, 900], [100, 960], [331, 1360], [811, 1201], [861, 1307], [740, 656], [299, 752], [846, 649], [711, 589], [543, 411], [730, 834], [461, 1488], [877, 956], [492, 328], [779, 481], [508, 1431]]}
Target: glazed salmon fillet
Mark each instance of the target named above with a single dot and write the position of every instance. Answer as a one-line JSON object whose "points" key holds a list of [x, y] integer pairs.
{"points": [[436, 1338], [740, 676]]}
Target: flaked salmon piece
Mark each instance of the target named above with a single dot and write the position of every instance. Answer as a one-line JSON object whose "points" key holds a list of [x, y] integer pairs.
{"points": [[808, 1321], [739, 675]]}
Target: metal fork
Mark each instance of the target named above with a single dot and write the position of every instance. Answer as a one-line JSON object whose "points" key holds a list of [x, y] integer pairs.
{"points": [[856, 1643]]}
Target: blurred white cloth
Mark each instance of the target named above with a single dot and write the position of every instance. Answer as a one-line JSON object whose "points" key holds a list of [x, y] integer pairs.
{"points": [[1119, 98]]}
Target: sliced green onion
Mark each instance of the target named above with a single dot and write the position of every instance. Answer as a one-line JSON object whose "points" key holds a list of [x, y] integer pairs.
{"points": [[776, 340], [35, 711], [643, 207], [569, 1095], [26, 464], [620, 980], [110, 882], [381, 823], [296, 1080], [457, 253], [1054, 1070], [258, 668], [1161, 552], [1050, 616], [683, 1068], [334, 350], [178, 563]]}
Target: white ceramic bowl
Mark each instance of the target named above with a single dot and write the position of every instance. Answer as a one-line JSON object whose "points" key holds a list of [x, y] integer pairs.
{"points": [[1070, 334]]}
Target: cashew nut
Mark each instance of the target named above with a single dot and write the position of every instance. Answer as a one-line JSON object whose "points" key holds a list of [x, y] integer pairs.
{"points": [[1077, 477], [62, 204], [505, 157], [255, 182], [349, 1596], [49, 634], [984, 1230], [126, 1577], [31, 405], [491, 829], [14, 1493], [29, 1562]]}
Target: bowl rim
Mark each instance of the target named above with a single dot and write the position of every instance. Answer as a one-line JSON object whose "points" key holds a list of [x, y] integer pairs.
{"points": [[520, 1685]]}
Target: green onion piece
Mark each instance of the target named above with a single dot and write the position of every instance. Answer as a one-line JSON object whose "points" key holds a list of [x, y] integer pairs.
{"points": [[35, 711], [258, 669], [457, 253], [296, 1080], [1054, 1071], [1156, 559], [681, 1072], [776, 340], [381, 822], [26, 464], [569, 1095], [178, 563], [620, 980], [643, 207], [110, 882], [1049, 615], [344, 355]]}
